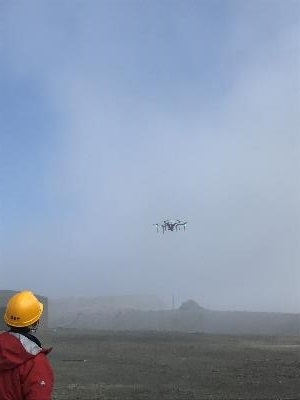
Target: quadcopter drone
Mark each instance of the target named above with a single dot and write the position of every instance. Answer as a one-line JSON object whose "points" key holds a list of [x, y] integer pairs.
{"points": [[170, 225]]}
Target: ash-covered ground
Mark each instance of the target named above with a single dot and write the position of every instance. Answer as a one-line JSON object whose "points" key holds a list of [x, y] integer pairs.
{"points": [[109, 365]]}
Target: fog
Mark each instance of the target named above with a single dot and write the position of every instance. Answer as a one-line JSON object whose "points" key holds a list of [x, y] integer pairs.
{"points": [[118, 115]]}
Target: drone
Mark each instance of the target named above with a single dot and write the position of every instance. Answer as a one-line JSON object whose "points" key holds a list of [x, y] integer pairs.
{"points": [[170, 225]]}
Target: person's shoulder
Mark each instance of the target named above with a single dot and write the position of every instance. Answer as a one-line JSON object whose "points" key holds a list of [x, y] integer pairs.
{"points": [[42, 364], [6, 336], [46, 350], [2, 336]]}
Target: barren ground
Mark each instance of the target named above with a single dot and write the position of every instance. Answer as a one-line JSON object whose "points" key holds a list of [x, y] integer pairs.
{"points": [[103, 365]]}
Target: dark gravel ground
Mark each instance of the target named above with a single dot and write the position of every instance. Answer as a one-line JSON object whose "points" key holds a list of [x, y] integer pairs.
{"points": [[171, 366]]}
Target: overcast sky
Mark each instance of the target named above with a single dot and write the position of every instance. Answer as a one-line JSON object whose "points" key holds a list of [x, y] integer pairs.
{"points": [[119, 114]]}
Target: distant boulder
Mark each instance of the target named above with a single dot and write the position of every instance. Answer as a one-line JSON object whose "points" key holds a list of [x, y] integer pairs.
{"points": [[190, 305]]}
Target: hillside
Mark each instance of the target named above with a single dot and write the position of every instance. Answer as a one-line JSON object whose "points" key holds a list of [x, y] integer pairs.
{"points": [[102, 314]]}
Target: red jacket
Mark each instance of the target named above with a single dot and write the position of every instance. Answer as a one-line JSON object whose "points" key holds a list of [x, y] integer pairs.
{"points": [[25, 371]]}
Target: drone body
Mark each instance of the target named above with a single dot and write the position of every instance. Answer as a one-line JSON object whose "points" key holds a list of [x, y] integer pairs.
{"points": [[171, 225]]}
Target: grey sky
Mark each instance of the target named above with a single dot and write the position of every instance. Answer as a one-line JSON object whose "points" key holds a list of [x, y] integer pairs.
{"points": [[154, 109]]}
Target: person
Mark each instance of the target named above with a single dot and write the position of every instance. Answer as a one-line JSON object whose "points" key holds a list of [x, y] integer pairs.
{"points": [[25, 370]]}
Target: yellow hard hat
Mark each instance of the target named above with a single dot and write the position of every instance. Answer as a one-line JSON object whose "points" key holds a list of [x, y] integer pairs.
{"points": [[23, 309]]}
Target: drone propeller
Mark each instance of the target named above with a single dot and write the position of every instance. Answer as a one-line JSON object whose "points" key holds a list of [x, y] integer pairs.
{"points": [[156, 227]]}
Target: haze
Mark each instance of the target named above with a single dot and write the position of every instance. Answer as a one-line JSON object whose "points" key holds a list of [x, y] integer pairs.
{"points": [[117, 115]]}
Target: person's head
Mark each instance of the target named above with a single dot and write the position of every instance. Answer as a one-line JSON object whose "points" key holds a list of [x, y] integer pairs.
{"points": [[23, 311]]}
